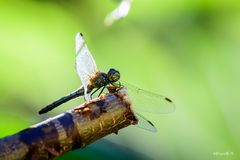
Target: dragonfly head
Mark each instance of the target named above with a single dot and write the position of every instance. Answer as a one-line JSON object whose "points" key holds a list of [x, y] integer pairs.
{"points": [[113, 75]]}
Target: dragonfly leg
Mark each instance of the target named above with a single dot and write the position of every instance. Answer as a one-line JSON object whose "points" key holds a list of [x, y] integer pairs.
{"points": [[94, 92], [119, 83], [101, 91]]}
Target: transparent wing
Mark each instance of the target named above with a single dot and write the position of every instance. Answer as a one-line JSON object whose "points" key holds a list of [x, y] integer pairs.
{"points": [[121, 11], [144, 123], [85, 64], [146, 101]]}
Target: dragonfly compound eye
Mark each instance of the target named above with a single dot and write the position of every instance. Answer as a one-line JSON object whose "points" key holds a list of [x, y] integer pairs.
{"points": [[113, 75]]}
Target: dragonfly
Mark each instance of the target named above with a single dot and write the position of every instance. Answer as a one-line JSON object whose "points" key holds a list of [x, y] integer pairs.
{"points": [[94, 80]]}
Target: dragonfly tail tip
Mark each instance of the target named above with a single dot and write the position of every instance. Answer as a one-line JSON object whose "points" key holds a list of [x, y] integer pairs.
{"points": [[42, 111]]}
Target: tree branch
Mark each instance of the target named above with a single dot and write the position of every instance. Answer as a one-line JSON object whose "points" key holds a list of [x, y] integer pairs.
{"points": [[71, 130]]}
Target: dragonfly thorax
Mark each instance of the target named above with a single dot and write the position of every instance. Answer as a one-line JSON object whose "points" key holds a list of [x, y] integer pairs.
{"points": [[98, 80]]}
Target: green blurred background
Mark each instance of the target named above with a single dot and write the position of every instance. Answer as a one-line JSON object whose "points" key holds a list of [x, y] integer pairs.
{"points": [[187, 50]]}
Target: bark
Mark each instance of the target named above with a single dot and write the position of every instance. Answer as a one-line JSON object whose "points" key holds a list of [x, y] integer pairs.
{"points": [[71, 130]]}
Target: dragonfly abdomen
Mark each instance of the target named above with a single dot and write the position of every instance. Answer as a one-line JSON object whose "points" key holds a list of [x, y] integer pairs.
{"points": [[75, 94]]}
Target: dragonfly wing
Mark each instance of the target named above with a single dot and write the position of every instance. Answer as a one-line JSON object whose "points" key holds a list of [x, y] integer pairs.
{"points": [[121, 11], [146, 101], [144, 123], [85, 64]]}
